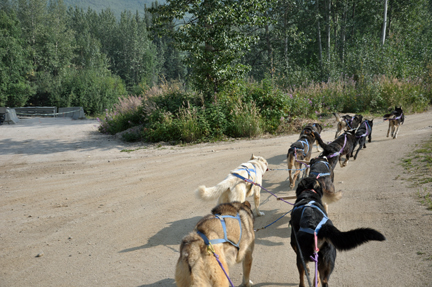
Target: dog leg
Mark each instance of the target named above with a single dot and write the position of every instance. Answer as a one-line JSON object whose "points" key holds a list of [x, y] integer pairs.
{"points": [[301, 271], [296, 174], [257, 195], [346, 161], [325, 207], [290, 160], [360, 147], [388, 130], [396, 132], [247, 265], [318, 147]]}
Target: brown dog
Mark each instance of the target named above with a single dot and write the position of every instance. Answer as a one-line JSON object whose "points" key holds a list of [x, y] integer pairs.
{"points": [[301, 150], [318, 128], [347, 122], [396, 118], [198, 267]]}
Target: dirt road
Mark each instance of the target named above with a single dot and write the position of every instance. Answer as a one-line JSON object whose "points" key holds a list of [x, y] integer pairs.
{"points": [[76, 211]]}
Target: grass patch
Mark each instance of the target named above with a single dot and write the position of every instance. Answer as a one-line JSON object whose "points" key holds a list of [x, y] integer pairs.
{"points": [[418, 168]]}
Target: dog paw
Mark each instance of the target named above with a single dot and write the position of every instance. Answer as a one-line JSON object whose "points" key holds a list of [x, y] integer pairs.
{"points": [[249, 284], [260, 213]]}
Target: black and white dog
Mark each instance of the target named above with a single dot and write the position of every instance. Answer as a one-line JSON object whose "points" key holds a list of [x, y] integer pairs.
{"points": [[307, 218]]}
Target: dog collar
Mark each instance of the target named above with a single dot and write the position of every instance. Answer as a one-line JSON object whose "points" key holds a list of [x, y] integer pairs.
{"points": [[313, 190]]}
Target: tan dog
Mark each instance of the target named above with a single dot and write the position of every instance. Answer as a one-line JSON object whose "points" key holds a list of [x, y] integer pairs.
{"points": [[346, 123], [197, 267], [233, 188]]}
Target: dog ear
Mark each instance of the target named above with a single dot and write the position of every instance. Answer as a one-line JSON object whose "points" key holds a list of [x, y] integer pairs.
{"points": [[247, 204], [253, 157]]}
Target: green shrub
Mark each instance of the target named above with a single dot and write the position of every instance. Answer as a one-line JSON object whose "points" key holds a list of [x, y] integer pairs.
{"points": [[245, 121]]}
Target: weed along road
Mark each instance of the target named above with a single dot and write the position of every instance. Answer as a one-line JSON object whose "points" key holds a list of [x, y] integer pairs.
{"points": [[83, 209]]}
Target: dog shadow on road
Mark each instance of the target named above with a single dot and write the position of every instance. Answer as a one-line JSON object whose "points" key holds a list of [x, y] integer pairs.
{"points": [[170, 235], [163, 282]]}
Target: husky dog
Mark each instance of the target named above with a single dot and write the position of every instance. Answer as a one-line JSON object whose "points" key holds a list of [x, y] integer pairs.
{"points": [[232, 242], [363, 131], [308, 217], [334, 151], [318, 128], [347, 122], [300, 150], [396, 118], [233, 188], [321, 170]]}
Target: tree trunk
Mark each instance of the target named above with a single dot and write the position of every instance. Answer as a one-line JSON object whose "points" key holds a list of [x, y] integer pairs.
{"points": [[352, 19], [328, 29], [269, 50], [384, 26], [343, 36], [286, 40], [319, 34]]}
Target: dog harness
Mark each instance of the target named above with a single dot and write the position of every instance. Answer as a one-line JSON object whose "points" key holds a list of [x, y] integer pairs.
{"points": [[348, 122], [397, 118], [248, 170], [367, 131], [320, 224], [339, 152], [225, 239], [303, 143], [319, 174]]}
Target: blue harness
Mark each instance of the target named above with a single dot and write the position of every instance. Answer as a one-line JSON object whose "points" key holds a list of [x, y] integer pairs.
{"points": [[247, 170], [225, 239], [303, 145], [320, 224], [319, 174]]}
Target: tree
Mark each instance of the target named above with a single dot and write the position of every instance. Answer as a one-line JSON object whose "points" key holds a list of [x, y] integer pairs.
{"points": [[384, 26], [15, 63], [215, 34]]}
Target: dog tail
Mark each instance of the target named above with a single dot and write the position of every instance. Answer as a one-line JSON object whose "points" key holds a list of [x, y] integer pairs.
{"points": [[330, 197], [211, 193], [350, 239], [320, 142], [338, 118], [190, 261]]}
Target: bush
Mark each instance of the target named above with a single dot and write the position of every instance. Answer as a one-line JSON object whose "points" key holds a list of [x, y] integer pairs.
{"points": [[249, 109]]}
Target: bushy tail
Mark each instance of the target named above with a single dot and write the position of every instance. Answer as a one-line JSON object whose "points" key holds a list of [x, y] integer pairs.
{"points": [[190, 260], [211, 193], [350, 239], [338, 118], [330, 197]]}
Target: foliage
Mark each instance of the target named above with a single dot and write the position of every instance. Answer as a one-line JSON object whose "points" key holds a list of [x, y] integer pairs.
{"points": [[125, 115], [418, 170], [249, 109], [15, 64], [215, 35]]}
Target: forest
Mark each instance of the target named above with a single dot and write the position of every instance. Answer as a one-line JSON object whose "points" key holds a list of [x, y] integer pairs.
{"points": [[191, 71]]}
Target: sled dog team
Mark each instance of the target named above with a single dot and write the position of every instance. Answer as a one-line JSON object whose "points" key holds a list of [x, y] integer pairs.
{"points": [[227, 236]]}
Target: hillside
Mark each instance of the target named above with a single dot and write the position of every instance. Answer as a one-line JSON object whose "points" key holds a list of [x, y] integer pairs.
{"points": [[117, 6]]}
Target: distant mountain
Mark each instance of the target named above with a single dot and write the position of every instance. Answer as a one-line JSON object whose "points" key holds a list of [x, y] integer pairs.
{"points": [[117, 6]]}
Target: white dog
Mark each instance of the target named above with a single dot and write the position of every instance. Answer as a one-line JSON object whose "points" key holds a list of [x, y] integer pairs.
{"points": [[233, 188]]}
